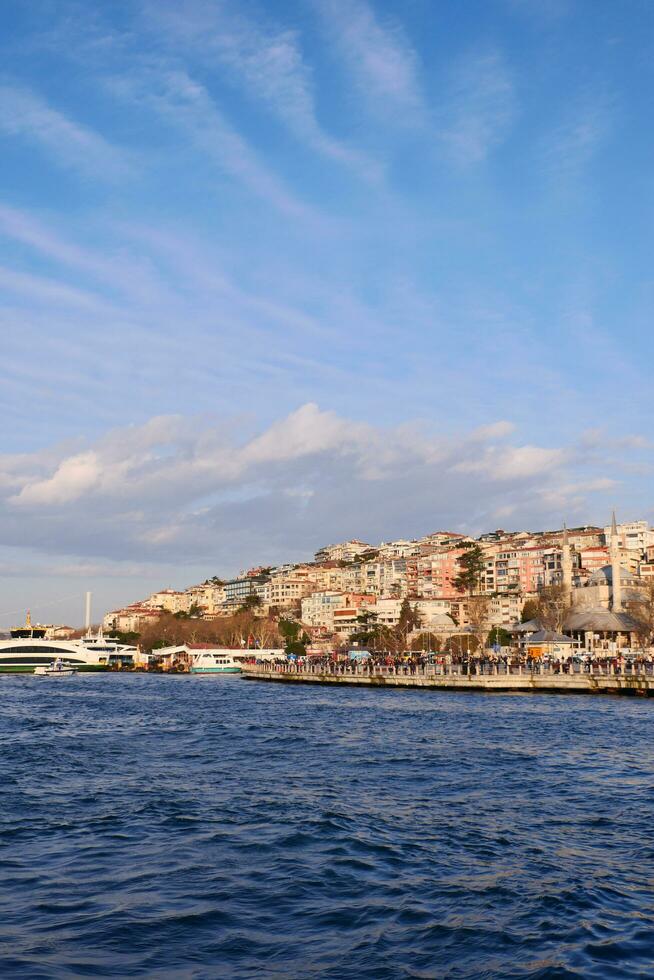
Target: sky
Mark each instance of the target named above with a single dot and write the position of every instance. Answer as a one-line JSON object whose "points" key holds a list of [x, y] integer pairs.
{"points": [[274, 275]]}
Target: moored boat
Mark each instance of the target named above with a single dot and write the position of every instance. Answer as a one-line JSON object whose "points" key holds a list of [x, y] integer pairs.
{"points": [[215, 662], [58, 668], [28, 649]]}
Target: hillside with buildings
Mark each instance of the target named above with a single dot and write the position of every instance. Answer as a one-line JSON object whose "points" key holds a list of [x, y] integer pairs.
{"points": [[442, 577]]}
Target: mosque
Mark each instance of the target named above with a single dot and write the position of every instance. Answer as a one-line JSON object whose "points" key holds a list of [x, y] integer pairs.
{"points": [[598, 619]]}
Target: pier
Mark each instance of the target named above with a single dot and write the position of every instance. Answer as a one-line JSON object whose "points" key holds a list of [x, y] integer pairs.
{"points": [[498, 678]]}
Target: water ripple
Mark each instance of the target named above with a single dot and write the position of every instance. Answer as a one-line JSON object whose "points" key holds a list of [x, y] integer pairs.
{"points": [[173, 828]]}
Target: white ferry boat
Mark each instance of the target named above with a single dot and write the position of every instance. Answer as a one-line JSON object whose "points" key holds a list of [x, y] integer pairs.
{"points": [[224, 660], [28, 648], [215, 662]]}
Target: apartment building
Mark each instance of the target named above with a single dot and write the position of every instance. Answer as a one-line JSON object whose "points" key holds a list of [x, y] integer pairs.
{"points": [[287, 590], [397, 549], [346, 551], [170, 600], [208, 598], [433, 575], [238, 590], [318, 609], [633, 535], [131, 619]]}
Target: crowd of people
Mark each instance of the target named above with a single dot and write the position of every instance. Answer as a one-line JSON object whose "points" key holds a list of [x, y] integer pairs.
{"points": [[487, 662]]}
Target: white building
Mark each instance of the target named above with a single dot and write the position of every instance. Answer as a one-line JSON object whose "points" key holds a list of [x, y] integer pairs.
{"points": [[346, 551], [318, 609], [398, 549], [632, 535], [285, 591], [169, 600]]}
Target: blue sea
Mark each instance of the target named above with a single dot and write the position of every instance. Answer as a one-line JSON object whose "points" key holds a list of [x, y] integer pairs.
{"points": [[194, 827]]}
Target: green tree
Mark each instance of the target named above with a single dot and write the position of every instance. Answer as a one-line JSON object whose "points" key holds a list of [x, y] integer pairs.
{"points": [[471, 565], [295, 639], [252, 601], [499, 635], [367, 630]]}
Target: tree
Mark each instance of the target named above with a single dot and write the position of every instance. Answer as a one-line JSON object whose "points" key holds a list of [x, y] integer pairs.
{"points": [[367, 629], [499, 636], [553, 607], [529, 610], [295, 639], [409, 621], [193, 612], [251, 601], [471, 565], [130, 637], [461, 644], [641, 611], [427, 642], [477, 608]]}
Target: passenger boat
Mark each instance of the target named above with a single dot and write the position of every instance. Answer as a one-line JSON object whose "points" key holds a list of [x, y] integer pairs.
{"points": [[215, 662], [58, 668], [28, 649]]}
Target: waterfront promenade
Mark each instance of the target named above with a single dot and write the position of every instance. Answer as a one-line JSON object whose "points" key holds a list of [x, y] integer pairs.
{"points": [[501, 678]]}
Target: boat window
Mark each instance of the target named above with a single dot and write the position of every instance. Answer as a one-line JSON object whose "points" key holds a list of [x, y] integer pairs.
{"points": [[32, 661], [42, 648]]}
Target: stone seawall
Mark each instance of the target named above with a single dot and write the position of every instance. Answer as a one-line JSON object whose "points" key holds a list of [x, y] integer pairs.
{"points": [[525, 682]]}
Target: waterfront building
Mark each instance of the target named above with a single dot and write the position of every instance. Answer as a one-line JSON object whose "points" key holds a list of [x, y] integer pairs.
{"points": [[598, 618]]}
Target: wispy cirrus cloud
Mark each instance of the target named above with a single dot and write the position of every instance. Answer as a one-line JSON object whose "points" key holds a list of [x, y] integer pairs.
{"points": [[187, 106], [479, 107], [568, 148], [261, 58], [378, 55], [25, 115]]}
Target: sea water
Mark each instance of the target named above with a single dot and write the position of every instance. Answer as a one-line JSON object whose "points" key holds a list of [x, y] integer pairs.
{"points": [[214, 827]]}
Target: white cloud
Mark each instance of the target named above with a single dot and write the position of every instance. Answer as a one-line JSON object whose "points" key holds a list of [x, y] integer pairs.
{"points": [[182, 489], [186, 105], [515, 462], [73, 478], [378, 55], [478, 108], [569, 146], [266, 61], [76, 147]]}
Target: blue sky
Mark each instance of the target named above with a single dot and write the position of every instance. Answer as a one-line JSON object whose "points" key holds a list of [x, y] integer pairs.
{"points": [[277, 274]]}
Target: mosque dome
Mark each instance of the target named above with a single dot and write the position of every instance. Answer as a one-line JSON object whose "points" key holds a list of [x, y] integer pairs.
{"points": [[604, 576]]}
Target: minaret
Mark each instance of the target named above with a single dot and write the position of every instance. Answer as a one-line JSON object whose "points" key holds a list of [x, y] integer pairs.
{"points": [[566, 565], [614, 552]]}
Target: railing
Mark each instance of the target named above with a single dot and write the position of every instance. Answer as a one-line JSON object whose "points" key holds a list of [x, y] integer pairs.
{"points": [[477, 669]]}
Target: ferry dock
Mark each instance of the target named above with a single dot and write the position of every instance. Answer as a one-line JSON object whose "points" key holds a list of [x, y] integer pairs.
{"points": [[630, 679]]}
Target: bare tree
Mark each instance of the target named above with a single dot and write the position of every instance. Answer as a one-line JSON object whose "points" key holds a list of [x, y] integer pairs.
{"points": [[478, 612], [553, 607], [641, 611]]}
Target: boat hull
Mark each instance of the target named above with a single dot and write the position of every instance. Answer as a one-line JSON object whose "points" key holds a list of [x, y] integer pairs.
{"points": [[64, 672], [216, 670]]}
